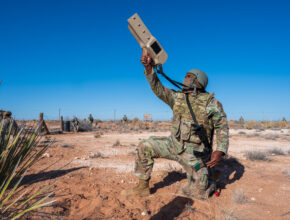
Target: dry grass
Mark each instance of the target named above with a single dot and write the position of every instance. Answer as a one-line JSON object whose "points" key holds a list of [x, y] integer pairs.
{"points": [[239, 197], [67, 146], [252, 125], [116, 143], [271, 136], [260, 124], [257, 155], [229, 215], [253, 135], [98, 134], [188, 207], [133, 153], [276, 151], [97, 155]]}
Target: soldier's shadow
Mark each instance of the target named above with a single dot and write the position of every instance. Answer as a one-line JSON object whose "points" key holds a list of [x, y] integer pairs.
{"points": [[173, 209], [171, 178], [231, 170]]}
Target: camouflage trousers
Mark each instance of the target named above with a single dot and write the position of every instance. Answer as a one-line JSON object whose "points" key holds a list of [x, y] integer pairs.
{"points": [[164, 147]]}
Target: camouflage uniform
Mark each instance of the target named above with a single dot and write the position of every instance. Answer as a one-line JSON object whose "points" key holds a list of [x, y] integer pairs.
{"points": [[183, 141], [6, 121], [75, 125], [125, 119], [91, 119]]}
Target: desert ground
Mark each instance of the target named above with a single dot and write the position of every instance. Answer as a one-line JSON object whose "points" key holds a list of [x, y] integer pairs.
{"points": [[89, 169]]}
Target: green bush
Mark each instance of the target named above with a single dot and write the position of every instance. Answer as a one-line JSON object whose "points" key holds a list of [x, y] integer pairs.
{"points": [[19, 150]]}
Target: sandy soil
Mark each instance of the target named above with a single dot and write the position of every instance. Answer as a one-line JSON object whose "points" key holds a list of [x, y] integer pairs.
{"points": [[90, 172]]}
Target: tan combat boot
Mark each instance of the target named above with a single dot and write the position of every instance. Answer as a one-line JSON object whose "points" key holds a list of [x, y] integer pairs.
{"points": [[142, 189]]}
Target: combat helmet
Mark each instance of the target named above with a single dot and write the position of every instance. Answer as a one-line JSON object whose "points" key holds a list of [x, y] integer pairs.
{"points": [[200, 76]]}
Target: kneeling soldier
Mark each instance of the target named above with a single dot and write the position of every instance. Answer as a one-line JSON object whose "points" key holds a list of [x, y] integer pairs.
{"points": [[196, 115]]}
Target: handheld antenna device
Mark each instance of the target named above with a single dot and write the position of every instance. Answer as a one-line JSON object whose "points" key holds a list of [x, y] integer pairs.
{"points": [[146, 40]]}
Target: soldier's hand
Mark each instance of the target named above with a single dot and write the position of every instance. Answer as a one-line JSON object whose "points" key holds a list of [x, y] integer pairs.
{"points": [[215, 159], [146, 61]]}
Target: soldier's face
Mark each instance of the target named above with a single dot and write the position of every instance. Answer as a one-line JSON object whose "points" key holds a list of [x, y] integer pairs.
{"points": [[188, 79]]}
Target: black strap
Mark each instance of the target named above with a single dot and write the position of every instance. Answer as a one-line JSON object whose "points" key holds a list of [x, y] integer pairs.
{"points": [[206, 154], [191, 112], [159, 69], [201, 132]]}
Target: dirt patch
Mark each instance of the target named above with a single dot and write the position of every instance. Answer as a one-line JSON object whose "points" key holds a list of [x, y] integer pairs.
{"points": [[90, 173]]}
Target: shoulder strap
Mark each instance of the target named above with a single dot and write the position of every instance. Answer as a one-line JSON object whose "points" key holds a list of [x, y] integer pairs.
{"points": [[191, 111], [206, 154], [199, 130]]}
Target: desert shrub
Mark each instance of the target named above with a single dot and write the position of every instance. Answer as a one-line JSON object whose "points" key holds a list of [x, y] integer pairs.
{"points": [[239, 197], [67, 146], [116, 143], [241, 120], [242, 132], [18, 153], [97, 155], [97, 121], [189, 208], [134, 120], [98, 134], [229, 215], [132, 153], [257, 155], [276, 151], [271, 136], [252, 125], [85, 125], [253, 135], [280, 124]]}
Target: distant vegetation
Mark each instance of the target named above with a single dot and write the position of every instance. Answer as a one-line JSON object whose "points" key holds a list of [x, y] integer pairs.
{"points": [[259, 124]]}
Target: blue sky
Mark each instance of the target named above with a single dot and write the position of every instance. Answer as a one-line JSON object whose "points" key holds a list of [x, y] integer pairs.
{"points": [[79, 56]]}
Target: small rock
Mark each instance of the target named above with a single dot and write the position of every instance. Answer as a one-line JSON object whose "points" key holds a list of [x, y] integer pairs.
{"points": [[122, 181], [260, 190], [253, 199], [46, 155], [76, 158], [144, 213]]}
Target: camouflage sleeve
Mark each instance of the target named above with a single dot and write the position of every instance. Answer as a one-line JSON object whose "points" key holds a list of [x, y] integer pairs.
{"points": [[165, 94], [219, 119]]}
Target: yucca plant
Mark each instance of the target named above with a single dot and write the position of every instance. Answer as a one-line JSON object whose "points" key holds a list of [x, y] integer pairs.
{"points": [[19, 150]]}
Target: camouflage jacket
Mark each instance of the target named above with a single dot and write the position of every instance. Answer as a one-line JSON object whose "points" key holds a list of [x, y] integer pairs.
{"points": [[208, 111]]}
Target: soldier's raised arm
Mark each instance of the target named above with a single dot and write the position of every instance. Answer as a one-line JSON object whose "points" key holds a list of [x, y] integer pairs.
{"points": [[165, 94]]}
